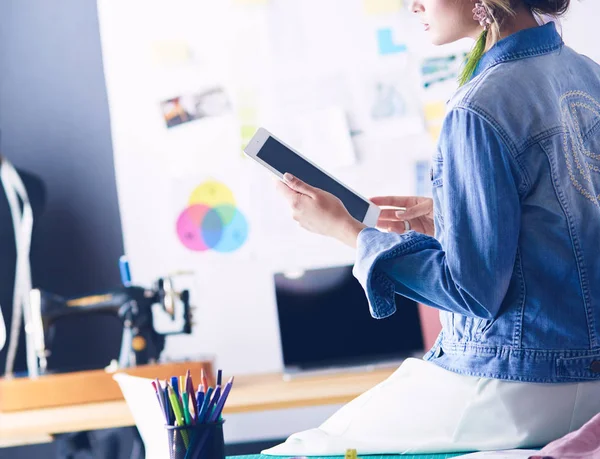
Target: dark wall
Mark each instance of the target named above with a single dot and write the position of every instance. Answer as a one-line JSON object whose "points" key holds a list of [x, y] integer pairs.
{"points": [[54, 123]]}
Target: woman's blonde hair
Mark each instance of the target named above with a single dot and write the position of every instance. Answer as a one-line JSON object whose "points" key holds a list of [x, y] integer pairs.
{"points": [[500, 10]]}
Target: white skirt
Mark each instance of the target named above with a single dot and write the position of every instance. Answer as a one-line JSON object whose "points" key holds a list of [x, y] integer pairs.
{"points": [[422, 409]]}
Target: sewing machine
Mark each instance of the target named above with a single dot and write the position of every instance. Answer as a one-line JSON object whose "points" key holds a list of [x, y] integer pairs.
{"points": [[148, 315]]}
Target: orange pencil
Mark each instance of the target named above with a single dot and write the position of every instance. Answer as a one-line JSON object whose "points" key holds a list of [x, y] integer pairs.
{"points": [[204, 381]]}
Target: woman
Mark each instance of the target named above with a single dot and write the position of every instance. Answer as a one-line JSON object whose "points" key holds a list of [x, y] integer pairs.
{"points": [[507, 250]]}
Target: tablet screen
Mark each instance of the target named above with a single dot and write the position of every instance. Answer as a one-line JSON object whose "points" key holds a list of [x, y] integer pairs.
{"points": [[285, 160]]}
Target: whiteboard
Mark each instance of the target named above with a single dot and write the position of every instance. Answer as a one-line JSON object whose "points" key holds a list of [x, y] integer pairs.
{"points": [[279, 64]]}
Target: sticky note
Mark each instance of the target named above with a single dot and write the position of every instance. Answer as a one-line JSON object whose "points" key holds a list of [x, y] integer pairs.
{"points": [[385, 39], [435, 111], [435, 131], [248, 132], [170, 52], [382, 6]]}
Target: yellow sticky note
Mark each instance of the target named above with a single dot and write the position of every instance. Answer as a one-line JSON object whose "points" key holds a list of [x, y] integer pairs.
{"points": [[170, 52], [435, 131], [434, 117], [248, 132], [435, 110], [382, 6]]}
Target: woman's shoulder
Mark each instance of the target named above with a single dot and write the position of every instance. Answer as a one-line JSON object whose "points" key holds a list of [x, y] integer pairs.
{"points": [[520, 85], [522, 98]]}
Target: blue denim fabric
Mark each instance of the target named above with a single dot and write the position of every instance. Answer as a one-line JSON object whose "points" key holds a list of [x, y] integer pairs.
{"points": [[514, 267]]}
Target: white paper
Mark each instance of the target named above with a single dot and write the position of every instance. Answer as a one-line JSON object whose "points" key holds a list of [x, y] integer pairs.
{"points": [[323, 136], [143, 404]]}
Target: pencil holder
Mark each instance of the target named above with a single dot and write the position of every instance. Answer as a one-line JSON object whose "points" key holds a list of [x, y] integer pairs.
{"points": [[200, 441]]}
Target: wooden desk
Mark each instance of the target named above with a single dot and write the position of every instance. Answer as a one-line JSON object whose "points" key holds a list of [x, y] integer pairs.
{"points": [[250, 393]]}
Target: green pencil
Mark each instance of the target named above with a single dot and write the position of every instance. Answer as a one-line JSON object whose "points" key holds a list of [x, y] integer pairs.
{"points": [[186, 409], [179, 416]]}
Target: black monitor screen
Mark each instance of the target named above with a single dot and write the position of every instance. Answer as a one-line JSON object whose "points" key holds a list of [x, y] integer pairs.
{"points": [[324, 321], [282, 159]]}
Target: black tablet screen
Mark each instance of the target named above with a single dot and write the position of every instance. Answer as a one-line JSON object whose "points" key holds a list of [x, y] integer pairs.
{"points": [[285, 160]]}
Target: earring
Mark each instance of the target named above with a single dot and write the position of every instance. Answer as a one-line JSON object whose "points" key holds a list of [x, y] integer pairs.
{"points": [[482, 14]]}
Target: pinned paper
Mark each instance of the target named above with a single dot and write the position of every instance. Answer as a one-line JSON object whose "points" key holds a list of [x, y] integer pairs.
{"points": [[322, 135], [387, 45], [212, 220], [194, 106], [382, 6], [170, 53]]}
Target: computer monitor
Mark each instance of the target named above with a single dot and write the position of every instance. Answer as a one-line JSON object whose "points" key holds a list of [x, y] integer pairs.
{"points": [[325, 323]]}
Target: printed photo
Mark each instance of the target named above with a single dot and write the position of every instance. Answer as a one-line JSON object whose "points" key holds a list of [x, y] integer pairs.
{"points": [[190, 107]]}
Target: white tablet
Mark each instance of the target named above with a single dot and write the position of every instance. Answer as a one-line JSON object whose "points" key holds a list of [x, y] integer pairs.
{"points": [[280, 158]]}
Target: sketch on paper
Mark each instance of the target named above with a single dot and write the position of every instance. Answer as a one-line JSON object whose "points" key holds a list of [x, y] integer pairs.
{"points": [[436, 70]]}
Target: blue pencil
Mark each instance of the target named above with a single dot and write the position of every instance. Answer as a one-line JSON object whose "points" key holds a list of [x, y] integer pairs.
{"points": [[211, 405], [216, 414], [175, 384], [216, 396], [202, 413], [169, 409], [199, 402]]}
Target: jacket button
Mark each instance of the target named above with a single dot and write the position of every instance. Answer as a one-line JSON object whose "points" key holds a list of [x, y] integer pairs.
{"points": [[595, 366]]}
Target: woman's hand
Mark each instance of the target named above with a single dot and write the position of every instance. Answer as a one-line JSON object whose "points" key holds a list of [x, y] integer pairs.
{"points": [[417, 211], [319, 211]]}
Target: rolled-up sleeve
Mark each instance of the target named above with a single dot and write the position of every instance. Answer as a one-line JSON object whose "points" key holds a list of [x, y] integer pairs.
{"points": [[470, 273]]}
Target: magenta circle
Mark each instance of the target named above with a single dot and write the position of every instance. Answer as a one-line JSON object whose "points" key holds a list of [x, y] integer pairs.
{"points": [[188, 227]]}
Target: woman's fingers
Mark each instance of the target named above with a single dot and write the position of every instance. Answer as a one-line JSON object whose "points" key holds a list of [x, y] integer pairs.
{"points": [[390, 215], [420, 210], [395, 201], [410, 213]]}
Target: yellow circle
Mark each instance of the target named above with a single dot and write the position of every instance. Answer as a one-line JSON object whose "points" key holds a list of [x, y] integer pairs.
{"points": [[212, 194], [138, 343]]}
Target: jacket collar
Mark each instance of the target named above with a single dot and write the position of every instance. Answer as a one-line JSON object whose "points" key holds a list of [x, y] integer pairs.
{"points": [[525, 43]]}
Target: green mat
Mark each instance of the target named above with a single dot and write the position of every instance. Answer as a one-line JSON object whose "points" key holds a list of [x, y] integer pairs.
{"points": [[422, 456]]}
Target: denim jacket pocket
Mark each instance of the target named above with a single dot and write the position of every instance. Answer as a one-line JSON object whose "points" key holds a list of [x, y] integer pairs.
{"points": [[587, 367]]}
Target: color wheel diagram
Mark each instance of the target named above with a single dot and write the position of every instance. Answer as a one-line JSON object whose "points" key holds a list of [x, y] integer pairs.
{"points": [[212, 221]]}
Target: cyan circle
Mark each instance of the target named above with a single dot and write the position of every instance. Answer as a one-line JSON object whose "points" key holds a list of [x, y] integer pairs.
{"points": [[234, 233]]}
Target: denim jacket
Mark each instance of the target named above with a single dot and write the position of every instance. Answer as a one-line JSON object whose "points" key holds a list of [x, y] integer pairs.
{"points": [[514, 267]]}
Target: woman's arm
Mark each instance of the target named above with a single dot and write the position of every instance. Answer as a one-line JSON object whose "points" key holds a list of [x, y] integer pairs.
{"points": [[469, 272]]}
